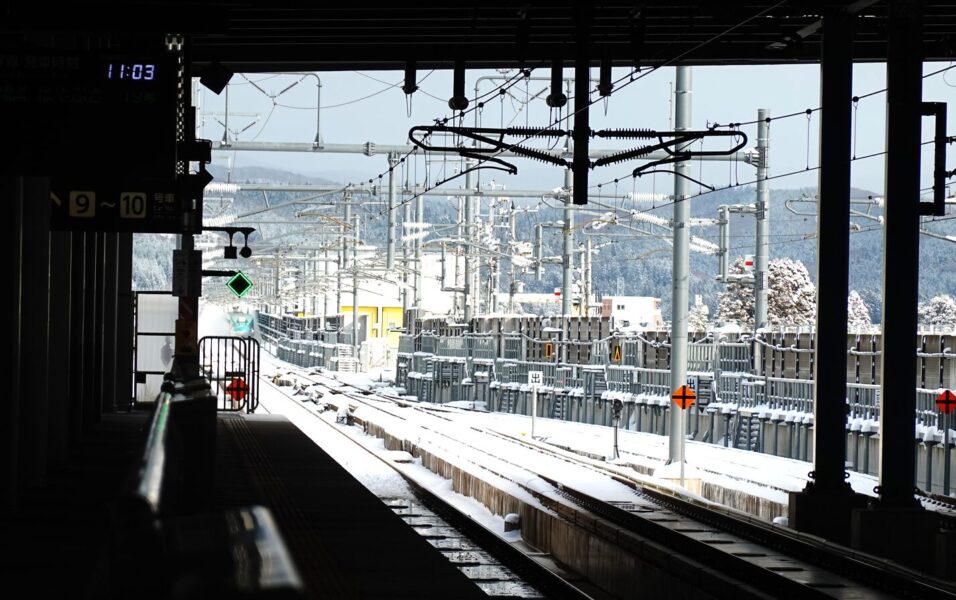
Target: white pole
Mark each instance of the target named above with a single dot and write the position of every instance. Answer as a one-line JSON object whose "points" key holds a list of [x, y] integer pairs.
{"points": [[681, 269]]}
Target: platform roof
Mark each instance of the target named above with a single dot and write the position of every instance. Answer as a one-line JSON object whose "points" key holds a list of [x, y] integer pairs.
{"points": [[276, 35]]}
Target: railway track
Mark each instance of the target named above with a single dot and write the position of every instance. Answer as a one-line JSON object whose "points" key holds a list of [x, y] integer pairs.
{"points": [[491, 562], [765, 560]]}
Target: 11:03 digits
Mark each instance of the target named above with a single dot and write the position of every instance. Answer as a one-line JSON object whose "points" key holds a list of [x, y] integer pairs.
{"points": [[133, 71]]}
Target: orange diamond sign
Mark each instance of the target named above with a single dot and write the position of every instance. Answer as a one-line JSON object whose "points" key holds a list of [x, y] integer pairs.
{"points": [[946, 401], [683, 396], [237, 389]]}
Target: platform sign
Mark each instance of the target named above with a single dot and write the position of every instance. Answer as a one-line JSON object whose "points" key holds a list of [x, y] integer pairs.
{"points": [[140, 206], [549, 350], [237, 389], [946, 401], [239, 284], [535, 378], [92, 112], [693, 381], [683, 396]]}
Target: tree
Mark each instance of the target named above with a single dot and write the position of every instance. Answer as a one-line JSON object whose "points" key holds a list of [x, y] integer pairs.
{"points": [[857, 314], [697, 317], [940, 310], [791, 299]]}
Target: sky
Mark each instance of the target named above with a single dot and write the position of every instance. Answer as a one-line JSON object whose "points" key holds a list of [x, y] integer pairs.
{"points": [[371, 107]]}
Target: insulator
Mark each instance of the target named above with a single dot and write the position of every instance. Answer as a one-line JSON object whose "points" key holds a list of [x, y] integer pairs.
{"points": [[628, 133], [621, 156], [536, 132]]}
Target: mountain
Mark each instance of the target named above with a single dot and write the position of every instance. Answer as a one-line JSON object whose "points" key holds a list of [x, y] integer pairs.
{"points": [[630, 258]]}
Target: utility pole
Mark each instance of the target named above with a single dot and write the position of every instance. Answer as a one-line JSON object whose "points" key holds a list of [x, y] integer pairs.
{"points": [[682, 122], [512, 239], [390, 252], [761, 274], [469, 217], [325, 289], [355, 290], [406, 219], [346, 217], [419, 230], [586, 276], [493, 272], [568, 251]]}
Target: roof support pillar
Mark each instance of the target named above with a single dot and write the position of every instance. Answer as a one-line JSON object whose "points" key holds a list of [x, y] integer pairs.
{"points": [[897, 527], [823, 507], [901, 256]]}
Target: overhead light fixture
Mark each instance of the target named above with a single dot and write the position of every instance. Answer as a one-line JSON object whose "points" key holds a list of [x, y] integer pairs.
{"points": [[557, 99], [411, 86], [458, 101], [216, 77]]}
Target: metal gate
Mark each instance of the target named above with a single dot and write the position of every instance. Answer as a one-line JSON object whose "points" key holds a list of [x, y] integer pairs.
{"points": [[232, 366]]}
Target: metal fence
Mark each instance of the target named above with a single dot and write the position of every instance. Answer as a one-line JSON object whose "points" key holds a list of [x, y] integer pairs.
{"points": [[231, 364]]}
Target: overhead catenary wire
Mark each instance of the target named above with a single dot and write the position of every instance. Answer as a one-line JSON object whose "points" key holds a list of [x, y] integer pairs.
{"points": [[804, 112], [635, 75]]}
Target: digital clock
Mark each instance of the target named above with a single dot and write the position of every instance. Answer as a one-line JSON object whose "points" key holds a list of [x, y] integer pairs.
{"points": [[131, 71]]}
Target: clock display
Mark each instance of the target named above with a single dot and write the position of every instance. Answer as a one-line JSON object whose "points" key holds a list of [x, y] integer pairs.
{"points": [[131, 71]]}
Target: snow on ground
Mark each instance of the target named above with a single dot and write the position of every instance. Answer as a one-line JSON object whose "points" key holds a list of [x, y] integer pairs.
{"points": [[373, 474], [758, 474], [378, 477]]}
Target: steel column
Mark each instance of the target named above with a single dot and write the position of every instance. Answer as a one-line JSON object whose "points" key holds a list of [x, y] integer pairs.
{"points": [[91, 325], [108, 400], [406, 255], [582, 100], [78, 325], [567, 253], [355, 291], [390, 252], [124, 321], [420, 219], [468, 230], [59, 356], [12, 191], [900, 255], [829, 420], [762, 257]]}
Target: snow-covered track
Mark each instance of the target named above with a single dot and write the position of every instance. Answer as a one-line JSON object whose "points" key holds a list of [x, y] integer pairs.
{"points": [[765, 559], [474, 540]]}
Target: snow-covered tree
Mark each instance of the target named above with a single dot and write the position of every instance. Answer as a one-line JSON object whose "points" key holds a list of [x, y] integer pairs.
{"points": [[857, 314], [737, 303], [698, 316], [940, 310], [791, 299]]}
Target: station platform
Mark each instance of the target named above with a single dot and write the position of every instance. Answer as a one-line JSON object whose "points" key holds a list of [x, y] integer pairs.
{"points": [[56, 537], [344, 542]]}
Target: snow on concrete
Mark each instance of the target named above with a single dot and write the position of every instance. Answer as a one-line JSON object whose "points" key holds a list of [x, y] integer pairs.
{"points": [[454, 439]]}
